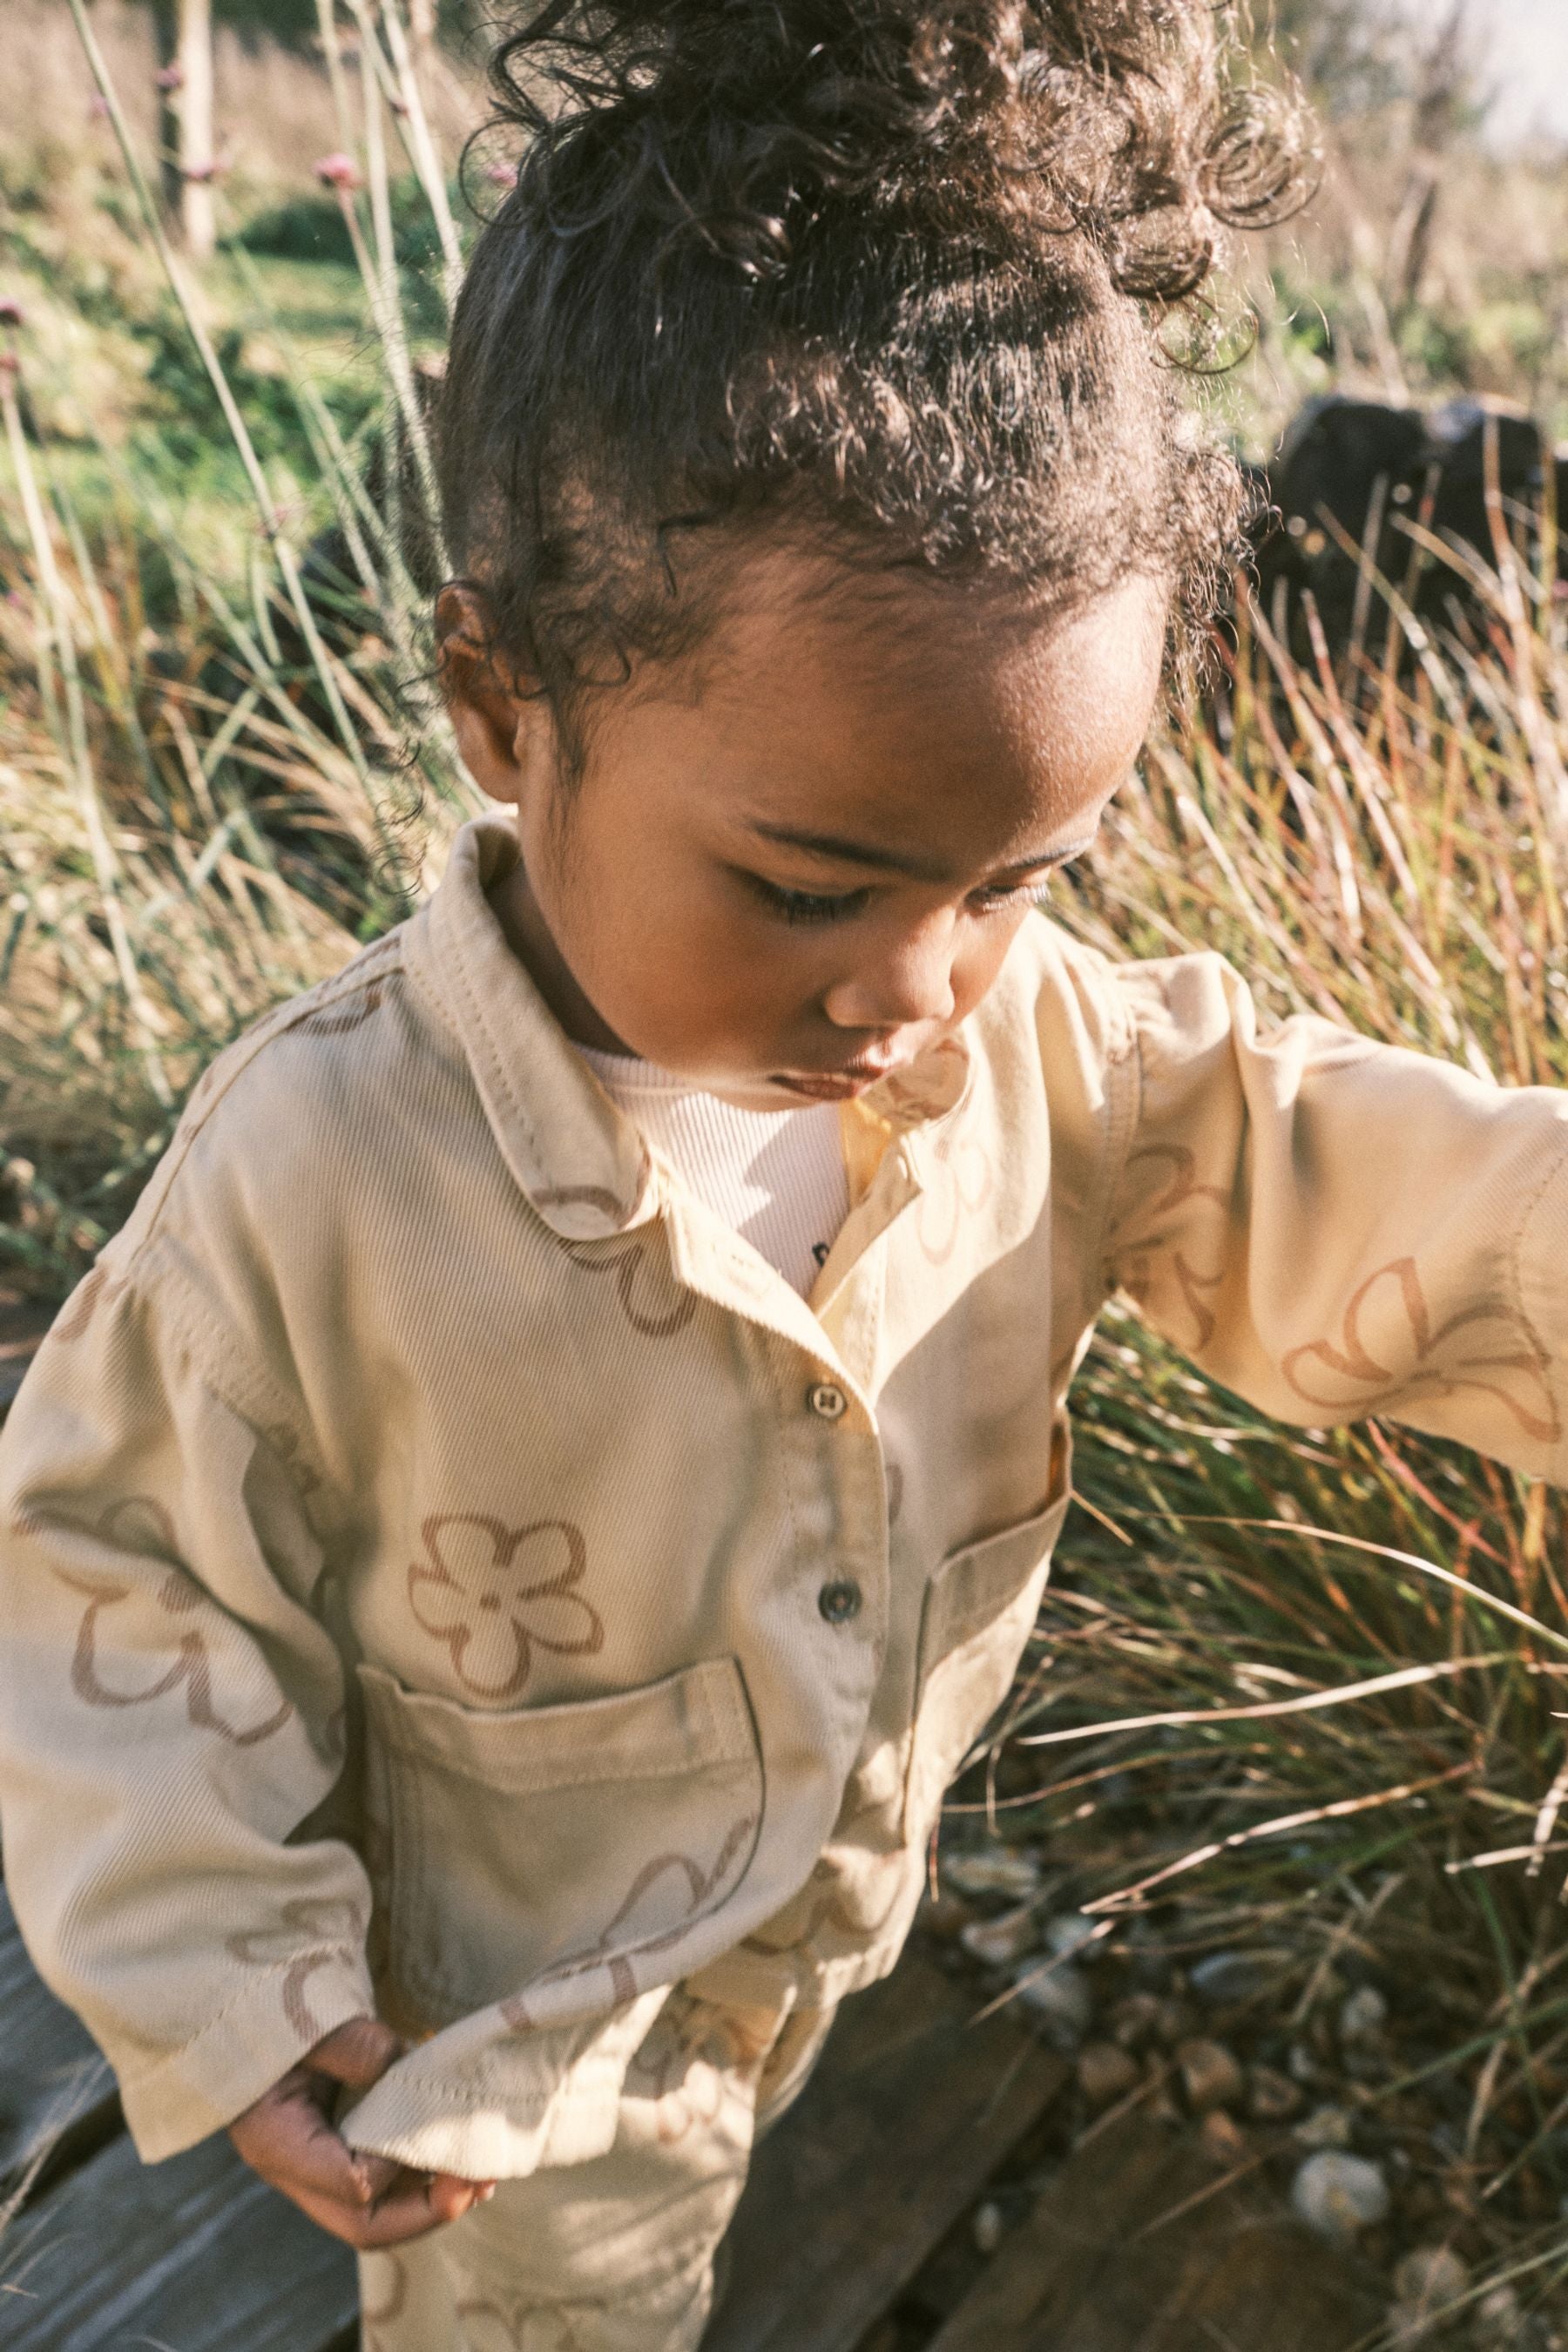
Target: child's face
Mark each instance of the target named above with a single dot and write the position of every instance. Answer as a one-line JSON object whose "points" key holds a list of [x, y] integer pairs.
{"points": [[797, 862]]}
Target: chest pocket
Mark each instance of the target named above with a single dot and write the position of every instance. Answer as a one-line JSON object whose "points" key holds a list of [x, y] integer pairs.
{"points": [[535, 1844], [976, 1617]]}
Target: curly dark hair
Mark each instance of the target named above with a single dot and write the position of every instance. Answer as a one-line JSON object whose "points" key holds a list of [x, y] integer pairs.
{"points": [[893, 276]]}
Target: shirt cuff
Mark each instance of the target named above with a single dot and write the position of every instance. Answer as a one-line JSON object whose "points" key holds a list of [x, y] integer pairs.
{"points": [[247, 2047]]}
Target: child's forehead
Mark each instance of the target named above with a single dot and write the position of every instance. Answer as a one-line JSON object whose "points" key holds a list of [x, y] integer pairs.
{"points": [[877, 657], [944, 718], [887, 626]]}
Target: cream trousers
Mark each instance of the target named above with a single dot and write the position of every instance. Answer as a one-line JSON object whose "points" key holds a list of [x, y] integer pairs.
{"points": [[616, 2255]]}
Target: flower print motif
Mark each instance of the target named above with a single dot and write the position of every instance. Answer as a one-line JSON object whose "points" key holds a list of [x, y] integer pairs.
{"points": [[384, 2295], [1145, 1256], [867, 1893], [536, 2327], [652, 1300], [926, 1088], [336, 1926], [495, 1594], [964, 1184], [702, 1886], [853, 1890], [1388, 1353], [140, 1524], [599, 1197], [695, 2058]]}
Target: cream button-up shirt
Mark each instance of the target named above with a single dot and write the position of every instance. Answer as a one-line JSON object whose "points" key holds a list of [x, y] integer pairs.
{"points": [[445, 1568]]}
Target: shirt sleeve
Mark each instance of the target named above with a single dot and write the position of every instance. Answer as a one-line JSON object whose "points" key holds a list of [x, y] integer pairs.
{"points": [[171, 1713], [1335, 1228]]}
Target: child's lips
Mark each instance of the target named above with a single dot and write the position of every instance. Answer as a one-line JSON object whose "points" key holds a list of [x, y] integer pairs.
{"points": [[837, 1085]]}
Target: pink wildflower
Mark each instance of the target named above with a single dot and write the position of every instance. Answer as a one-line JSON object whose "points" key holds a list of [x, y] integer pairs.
{"points": [[502, 175], [11, 312], [171, 77], [338, 171]]}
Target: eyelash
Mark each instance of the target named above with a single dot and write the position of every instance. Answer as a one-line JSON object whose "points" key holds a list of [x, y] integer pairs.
{"points": [[807, 907]]}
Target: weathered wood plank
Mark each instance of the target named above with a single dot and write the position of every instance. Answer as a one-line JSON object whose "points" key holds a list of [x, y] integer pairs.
{"points": [[194, 2255], [1280, 2288], [912, 2108], [1098, 2267], [54, 2085], [21, 1329]]}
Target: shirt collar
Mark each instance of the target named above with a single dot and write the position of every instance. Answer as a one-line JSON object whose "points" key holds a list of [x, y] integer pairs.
{"points": [[583, 1167], [581, 1163]]}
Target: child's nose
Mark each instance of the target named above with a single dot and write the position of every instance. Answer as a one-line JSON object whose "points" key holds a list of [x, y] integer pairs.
{"points": [[911, 981]]}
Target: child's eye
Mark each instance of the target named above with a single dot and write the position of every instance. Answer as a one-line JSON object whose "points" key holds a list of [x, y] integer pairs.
{"points": [[808, 906], [1012, 893]]}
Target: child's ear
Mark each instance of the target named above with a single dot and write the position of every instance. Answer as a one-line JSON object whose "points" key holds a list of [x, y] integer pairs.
{"points": [[493, 712]]}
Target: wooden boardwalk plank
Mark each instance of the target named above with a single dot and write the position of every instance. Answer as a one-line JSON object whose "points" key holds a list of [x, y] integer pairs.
{"points": [[22, 1328], [1097, 2267], [910, 2111], [53, 2082], [194, 2255]]}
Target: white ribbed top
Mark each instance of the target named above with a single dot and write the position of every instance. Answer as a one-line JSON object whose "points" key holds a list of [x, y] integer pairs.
{"points": [[777, 1176]]}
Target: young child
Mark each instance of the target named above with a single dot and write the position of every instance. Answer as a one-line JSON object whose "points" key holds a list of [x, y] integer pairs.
{"points": [[505, 1550]]}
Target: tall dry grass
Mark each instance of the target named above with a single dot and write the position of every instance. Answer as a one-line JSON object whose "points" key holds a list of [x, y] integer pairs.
{"points": [[275, 111], [1301, 1695]]}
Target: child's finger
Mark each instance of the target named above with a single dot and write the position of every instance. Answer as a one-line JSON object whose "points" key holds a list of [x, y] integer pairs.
{"points": [[358, 2053], [451, 2198], [412, 2206], [291, 2144], [368, 2228]]}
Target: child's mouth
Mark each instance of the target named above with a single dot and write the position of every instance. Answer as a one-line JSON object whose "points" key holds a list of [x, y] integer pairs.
{"points": [[834, 1085]]}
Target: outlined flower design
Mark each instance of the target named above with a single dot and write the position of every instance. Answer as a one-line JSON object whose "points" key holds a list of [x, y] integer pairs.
{"points": [[384, 2292], [964, 1184], [866, 1892], [926, 1088], [696, 2059], [1389, 1352], [856, 1886], [335, 1926], [653, 1301], [538, 2327], [496, 1595], [140, 1524], [486, 2326], [1143, 1258], [701, 1888]]}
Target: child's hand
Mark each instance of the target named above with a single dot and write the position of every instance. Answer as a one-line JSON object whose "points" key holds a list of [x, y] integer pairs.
{"points": [[367, 2200]]}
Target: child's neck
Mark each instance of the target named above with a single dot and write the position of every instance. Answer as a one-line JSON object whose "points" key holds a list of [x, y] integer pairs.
{"points": [[530, 937]]}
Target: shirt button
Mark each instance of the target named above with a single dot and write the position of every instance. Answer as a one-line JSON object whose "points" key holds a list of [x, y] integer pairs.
{"points": [[839, 1603], [829, 1402]]}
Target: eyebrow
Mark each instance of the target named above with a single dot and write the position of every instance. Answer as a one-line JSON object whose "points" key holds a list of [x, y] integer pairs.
{"points": [[892, 861]]}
